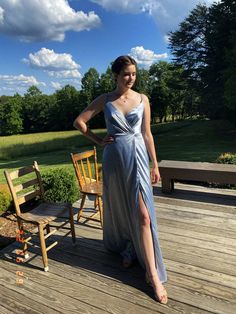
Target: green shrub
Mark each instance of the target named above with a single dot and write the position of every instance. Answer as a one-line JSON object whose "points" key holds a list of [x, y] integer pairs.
{"points": [[6, 202], [60, 186], [227, 158]]}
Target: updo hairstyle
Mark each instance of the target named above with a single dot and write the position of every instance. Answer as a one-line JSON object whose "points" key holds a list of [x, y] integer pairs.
{"points": [[121, 62]]}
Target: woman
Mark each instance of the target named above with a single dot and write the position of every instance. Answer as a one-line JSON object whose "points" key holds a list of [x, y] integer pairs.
{"points": [[129, 216]]}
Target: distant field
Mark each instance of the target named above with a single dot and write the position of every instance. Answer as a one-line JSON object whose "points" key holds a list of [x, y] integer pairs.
{"points": [[195, 140], [30, 144], [187, 140]]}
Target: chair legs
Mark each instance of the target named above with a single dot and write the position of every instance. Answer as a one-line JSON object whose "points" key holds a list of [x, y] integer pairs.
{"points": [[43, 247], [21, 238], [47, 229], [81, 207], [97, 203], [72, 226], [100, 208]]}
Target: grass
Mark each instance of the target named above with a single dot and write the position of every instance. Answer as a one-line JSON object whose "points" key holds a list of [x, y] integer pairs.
{"points": [[32, 144], [186, 140], [195, 140]]}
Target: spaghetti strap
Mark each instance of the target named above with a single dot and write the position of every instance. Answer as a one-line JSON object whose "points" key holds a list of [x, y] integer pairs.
{"points": [[141, 97]]}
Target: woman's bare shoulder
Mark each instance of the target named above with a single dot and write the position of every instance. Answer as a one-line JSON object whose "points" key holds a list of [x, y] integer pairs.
{"points": [[100, 101], [145, 99]]}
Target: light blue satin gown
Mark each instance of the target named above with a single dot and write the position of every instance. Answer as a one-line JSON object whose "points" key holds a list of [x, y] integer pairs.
{"points": [[126, 172]]}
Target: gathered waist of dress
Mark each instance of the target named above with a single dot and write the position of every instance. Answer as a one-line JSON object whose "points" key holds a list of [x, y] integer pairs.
{"points": [[128, 134]]}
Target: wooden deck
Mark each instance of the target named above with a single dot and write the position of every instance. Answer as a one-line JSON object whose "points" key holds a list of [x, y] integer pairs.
{"points": [[197, 231]]}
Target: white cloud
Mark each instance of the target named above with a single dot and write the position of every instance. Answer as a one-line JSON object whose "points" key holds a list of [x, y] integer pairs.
{"points": [[134, 6], [43, 20], [166, 39], [18, 83], [19, 80], [55, 64], [166, 13], [1, 15], [65, 74], [56, 85], [146, 57]]}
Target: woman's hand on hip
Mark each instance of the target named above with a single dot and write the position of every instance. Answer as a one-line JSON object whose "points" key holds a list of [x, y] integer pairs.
{"points": [[108, 139]]}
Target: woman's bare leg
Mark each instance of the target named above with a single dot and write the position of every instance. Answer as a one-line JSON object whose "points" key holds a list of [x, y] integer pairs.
{"points": [[147, 244]]}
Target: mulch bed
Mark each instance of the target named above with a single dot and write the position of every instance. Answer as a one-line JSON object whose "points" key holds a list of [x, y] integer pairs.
{"points": [[7, 230], [8, 227]]}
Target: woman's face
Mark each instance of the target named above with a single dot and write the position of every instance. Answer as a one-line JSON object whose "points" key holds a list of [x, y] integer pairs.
{"points": [[127, 76]]}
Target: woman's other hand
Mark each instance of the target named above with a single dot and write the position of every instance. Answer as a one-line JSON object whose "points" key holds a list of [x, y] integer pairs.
{"points": [[155, 175]]}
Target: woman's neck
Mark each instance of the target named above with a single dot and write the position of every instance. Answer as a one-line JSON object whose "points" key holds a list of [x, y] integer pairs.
{"points": [[123, 92]]}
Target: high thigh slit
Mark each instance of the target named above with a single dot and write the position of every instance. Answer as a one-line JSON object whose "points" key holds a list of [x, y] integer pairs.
{"points": [[126, 173], [144, 214]]}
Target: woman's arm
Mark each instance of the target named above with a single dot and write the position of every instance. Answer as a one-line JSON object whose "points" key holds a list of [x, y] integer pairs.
{"points": [[148, 139], [87, 114]]}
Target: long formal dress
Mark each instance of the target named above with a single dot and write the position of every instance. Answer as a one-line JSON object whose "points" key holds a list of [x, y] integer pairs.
{"points": [[126, 172]]}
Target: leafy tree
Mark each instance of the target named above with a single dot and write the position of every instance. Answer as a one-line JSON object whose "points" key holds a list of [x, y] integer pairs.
{"points": [[143, 82], [3, 99], [10, 116], [204, 45], [218, 38], [159, 95], [168, 90], [188, 44], [91, 88], [67, 107], [50, 116], [31, 109], [106, 82], [90, 85], [230, 80], [39, 111]]}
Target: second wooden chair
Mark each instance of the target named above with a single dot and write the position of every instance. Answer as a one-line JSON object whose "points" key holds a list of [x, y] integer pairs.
{"points": [[86, 170]]}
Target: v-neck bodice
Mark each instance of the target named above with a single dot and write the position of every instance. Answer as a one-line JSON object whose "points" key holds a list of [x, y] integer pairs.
{"points": [[131, 110], [118, 123]]}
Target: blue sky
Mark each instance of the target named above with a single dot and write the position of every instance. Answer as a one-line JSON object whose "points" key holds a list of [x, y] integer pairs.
{"points": [[51, 43]]}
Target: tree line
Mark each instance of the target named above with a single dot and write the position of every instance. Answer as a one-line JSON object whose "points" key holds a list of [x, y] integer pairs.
{"points": [[38, 112], [205, 46], [200, 81]]}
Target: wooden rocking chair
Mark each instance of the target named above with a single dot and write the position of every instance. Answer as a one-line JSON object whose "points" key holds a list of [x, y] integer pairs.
{"points": [[42, 215], [86, 170]]}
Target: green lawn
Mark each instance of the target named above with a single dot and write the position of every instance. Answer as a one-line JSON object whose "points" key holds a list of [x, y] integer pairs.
{"points": [[187, 140], [195, 140]]}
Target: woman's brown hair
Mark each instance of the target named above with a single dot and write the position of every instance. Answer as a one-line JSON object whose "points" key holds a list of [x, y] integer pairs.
{"points": [[121, 62]]}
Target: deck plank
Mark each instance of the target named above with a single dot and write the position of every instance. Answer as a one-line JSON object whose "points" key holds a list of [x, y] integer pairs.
{"points": [[111, 279], [197, 234]]}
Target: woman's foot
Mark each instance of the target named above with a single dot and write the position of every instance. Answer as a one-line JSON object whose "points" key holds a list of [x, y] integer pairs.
{"points": [[161, 296], [159, 290]]}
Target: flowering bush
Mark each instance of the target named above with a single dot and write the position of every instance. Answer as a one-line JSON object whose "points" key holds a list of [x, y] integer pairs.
{"points": [[227, 158]]}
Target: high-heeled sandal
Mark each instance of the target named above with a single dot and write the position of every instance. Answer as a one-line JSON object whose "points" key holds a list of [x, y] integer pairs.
{"points": [[163, 299]]}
